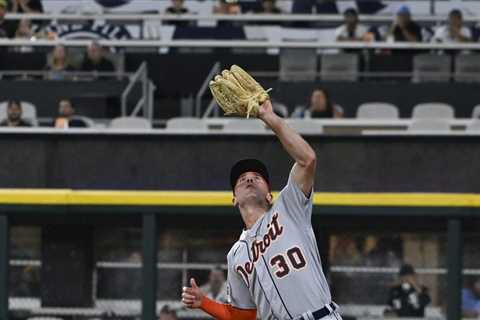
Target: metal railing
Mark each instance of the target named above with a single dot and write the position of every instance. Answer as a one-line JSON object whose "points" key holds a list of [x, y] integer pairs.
{"points": [[198, 98], [136, 18], [145, 102], [243, 44]]}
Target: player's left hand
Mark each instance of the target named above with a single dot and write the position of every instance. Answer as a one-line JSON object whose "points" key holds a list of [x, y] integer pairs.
{"points": [[192, 296]]}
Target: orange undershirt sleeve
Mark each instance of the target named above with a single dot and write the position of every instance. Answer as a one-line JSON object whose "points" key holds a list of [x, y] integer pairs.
{"points": [[222, 311]]}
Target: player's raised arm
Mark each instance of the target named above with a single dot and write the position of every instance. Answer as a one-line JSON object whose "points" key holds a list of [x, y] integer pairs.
{"points": [[295, 145], [236, 92]]}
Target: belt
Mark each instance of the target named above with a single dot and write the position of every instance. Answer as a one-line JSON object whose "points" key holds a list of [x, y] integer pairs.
{"points": [[320, 313]]}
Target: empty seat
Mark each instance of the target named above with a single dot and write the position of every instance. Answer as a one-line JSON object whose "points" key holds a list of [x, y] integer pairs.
{"points": [[298, 65], [474, 125], [29, 112], [467, 68], [476, 112], [187, 124], [305, 126], [377, 110], [339, 67], [431, 68], [245, 125], [130, 123], [433, 110], [429, 125]]}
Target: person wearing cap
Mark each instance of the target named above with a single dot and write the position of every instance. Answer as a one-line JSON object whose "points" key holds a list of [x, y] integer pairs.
{"points": [[351, 30], [404, 29], [407, 298], [274, 269], [454, 31]]}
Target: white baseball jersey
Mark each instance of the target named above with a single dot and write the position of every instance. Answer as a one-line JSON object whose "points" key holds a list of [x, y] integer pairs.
{"points": [[275, 266]]}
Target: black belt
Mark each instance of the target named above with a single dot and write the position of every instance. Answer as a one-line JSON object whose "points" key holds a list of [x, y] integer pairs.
{"points": [[325, 311]]}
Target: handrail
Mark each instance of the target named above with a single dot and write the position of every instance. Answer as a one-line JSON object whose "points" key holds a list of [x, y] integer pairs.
{"points": [[133, 80], [134, 18], [243, 44], [69, 75], [198, 99], [211, 108]]}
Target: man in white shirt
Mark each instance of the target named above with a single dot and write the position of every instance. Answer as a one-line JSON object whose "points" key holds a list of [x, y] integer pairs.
{"points": [[453, 31], [351, 30]]}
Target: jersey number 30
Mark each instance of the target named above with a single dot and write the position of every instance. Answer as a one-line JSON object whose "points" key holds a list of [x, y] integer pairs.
{"points": [[295, 260]]}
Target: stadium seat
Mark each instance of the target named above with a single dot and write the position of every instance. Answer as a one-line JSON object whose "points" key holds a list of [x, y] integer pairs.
{"points": [[433, 110], [467, 68], [474, 125], [29, 112], [130, 123], [244, 125], [476, 112], [187, 124], [377, 110], [431, 68], [303, 126], [339, 67], [298, 65], [429, 125]]}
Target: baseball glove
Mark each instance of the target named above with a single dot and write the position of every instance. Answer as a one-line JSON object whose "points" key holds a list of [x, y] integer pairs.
{"points": [[236, 92]]}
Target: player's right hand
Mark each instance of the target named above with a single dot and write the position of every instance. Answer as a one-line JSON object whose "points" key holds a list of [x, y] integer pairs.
{"points": [[192, 296]]}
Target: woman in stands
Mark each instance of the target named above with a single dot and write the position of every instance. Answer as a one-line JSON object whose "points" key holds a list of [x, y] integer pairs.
{"points": [[59, 63], [321, 106]]}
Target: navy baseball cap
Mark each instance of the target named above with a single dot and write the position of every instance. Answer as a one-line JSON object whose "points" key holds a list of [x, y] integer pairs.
{"points": [[247, 165]]}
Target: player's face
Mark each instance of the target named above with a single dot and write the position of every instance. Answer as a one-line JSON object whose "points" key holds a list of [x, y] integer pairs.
{"points": [[251, 187]]}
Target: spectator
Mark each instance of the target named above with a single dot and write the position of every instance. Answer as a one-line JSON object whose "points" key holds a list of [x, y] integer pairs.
{"points": [[95, 59], [471, 299], [59, 63], [407, 298], [26, 6], [404, 29], [7, 28], [454, 31], [268, 7], [321, 106], [24, 29], [177, 7], [166, 313], [14, 115], [216, 288], [351, 30], [227, 7], [66, 116]]}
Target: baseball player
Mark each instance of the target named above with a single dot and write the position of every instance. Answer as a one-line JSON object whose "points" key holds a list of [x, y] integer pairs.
{"points": [[274, 269]]}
